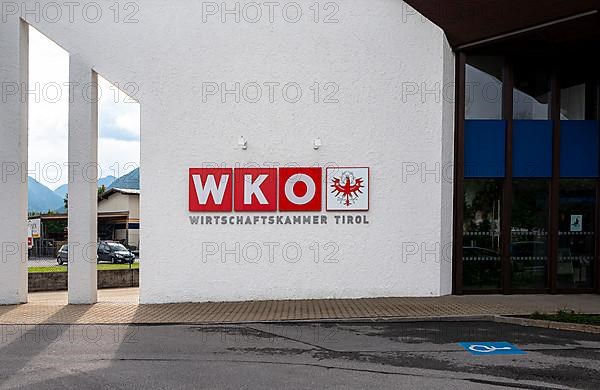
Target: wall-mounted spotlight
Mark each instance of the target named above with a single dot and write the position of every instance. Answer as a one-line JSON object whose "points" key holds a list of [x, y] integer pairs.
{"points": [[317, 143], [243, 143]]}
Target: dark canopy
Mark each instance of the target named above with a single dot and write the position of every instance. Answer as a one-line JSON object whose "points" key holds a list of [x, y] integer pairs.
{"points": [[549, 23]]}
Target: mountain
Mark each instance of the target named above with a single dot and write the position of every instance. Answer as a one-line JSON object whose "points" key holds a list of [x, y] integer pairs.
{"points": [[129, 181], [62, 190], [42, 198], [105, 181]]}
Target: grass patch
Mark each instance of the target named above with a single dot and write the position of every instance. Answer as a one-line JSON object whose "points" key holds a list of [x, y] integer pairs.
{"points": [[569, 317], [101, 267]]}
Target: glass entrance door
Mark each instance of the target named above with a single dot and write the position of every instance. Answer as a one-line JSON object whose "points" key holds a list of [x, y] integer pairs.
{"points": [[529, 179], [577, 230], [529, 234], [482, 265]]}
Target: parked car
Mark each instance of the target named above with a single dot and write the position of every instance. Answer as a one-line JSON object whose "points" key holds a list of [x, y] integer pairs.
{"points": [[109, 251], [63, 255], [528, 249], [529, 256], [114, 252], [474, 253]]}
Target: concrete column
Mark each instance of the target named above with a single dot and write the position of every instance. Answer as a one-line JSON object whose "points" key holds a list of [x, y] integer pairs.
{"points": [[83, 176], [13, 159]]}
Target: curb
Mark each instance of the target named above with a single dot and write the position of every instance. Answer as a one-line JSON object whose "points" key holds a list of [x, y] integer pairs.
{"points": [[355, 320], [547, 324], [362, 320], [501, 319]]}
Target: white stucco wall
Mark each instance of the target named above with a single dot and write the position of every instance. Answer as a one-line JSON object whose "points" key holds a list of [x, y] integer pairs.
{"points": [[376, 50], [115, 202], [123, 202], [134, 208], [13, 158]]}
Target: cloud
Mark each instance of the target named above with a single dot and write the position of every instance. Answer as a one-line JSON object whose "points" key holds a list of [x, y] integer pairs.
{"points": [[118, 118], [118, 157], [119, 115], [48, 111]]}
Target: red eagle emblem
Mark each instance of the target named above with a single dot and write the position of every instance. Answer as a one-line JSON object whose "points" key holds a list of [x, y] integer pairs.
{"points": [[347, 188]]}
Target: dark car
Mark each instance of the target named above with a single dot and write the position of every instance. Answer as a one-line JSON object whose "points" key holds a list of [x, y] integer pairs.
{"points": [[114, 252], [109, 251], [63, 255], [473, 253], [529, 256]]}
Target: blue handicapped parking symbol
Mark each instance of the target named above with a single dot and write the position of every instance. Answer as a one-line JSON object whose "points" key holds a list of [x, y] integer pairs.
{"points": [[492, 348]]}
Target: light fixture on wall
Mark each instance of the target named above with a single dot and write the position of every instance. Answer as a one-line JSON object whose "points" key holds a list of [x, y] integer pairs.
{"points": [[317, 143], [243, 143]]}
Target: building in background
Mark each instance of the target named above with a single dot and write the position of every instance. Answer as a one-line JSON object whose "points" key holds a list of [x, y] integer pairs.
{"points": [[123, 225], [118, 220]]}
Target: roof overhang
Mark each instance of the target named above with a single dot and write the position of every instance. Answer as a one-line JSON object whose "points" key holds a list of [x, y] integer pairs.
{"points": [[124, 191], [551, 23]]}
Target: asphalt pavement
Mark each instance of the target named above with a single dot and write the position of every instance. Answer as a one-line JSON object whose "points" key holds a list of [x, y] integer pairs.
{"points": [[420, 355]]}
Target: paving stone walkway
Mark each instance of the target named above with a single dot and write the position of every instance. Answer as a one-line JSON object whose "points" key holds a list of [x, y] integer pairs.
{"points": [[120, 306]]}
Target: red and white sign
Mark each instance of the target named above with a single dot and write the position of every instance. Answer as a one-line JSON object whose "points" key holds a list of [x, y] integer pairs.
{"points": [[272, 189], [347, 189], [300, 189], [255, 189], [210, 189]]}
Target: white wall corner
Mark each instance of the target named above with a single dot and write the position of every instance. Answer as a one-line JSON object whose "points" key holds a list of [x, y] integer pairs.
{"points": [[447, 188]]}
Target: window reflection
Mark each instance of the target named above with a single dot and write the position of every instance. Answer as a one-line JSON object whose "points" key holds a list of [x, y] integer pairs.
{"points": [[578, 94], [481, 234], [531, 93], [529, 234], [483, 88], [572, 102]]}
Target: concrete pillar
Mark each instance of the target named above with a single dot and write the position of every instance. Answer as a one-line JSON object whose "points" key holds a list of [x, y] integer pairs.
{"points": [[13, 160], [83, 172]]}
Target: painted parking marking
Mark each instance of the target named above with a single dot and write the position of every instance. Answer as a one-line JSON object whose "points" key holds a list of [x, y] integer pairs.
{"points": [[491, 348]]}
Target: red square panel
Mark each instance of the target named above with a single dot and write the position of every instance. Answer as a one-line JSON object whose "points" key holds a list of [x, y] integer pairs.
{"points": [[300, 189], [255, 189], [210, 189]]}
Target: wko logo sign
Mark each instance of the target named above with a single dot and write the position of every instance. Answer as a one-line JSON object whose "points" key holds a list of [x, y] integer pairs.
{"points": [[272, 189]]}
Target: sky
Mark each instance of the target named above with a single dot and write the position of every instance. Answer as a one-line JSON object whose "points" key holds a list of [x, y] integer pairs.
{"points": [[118, 118]]}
